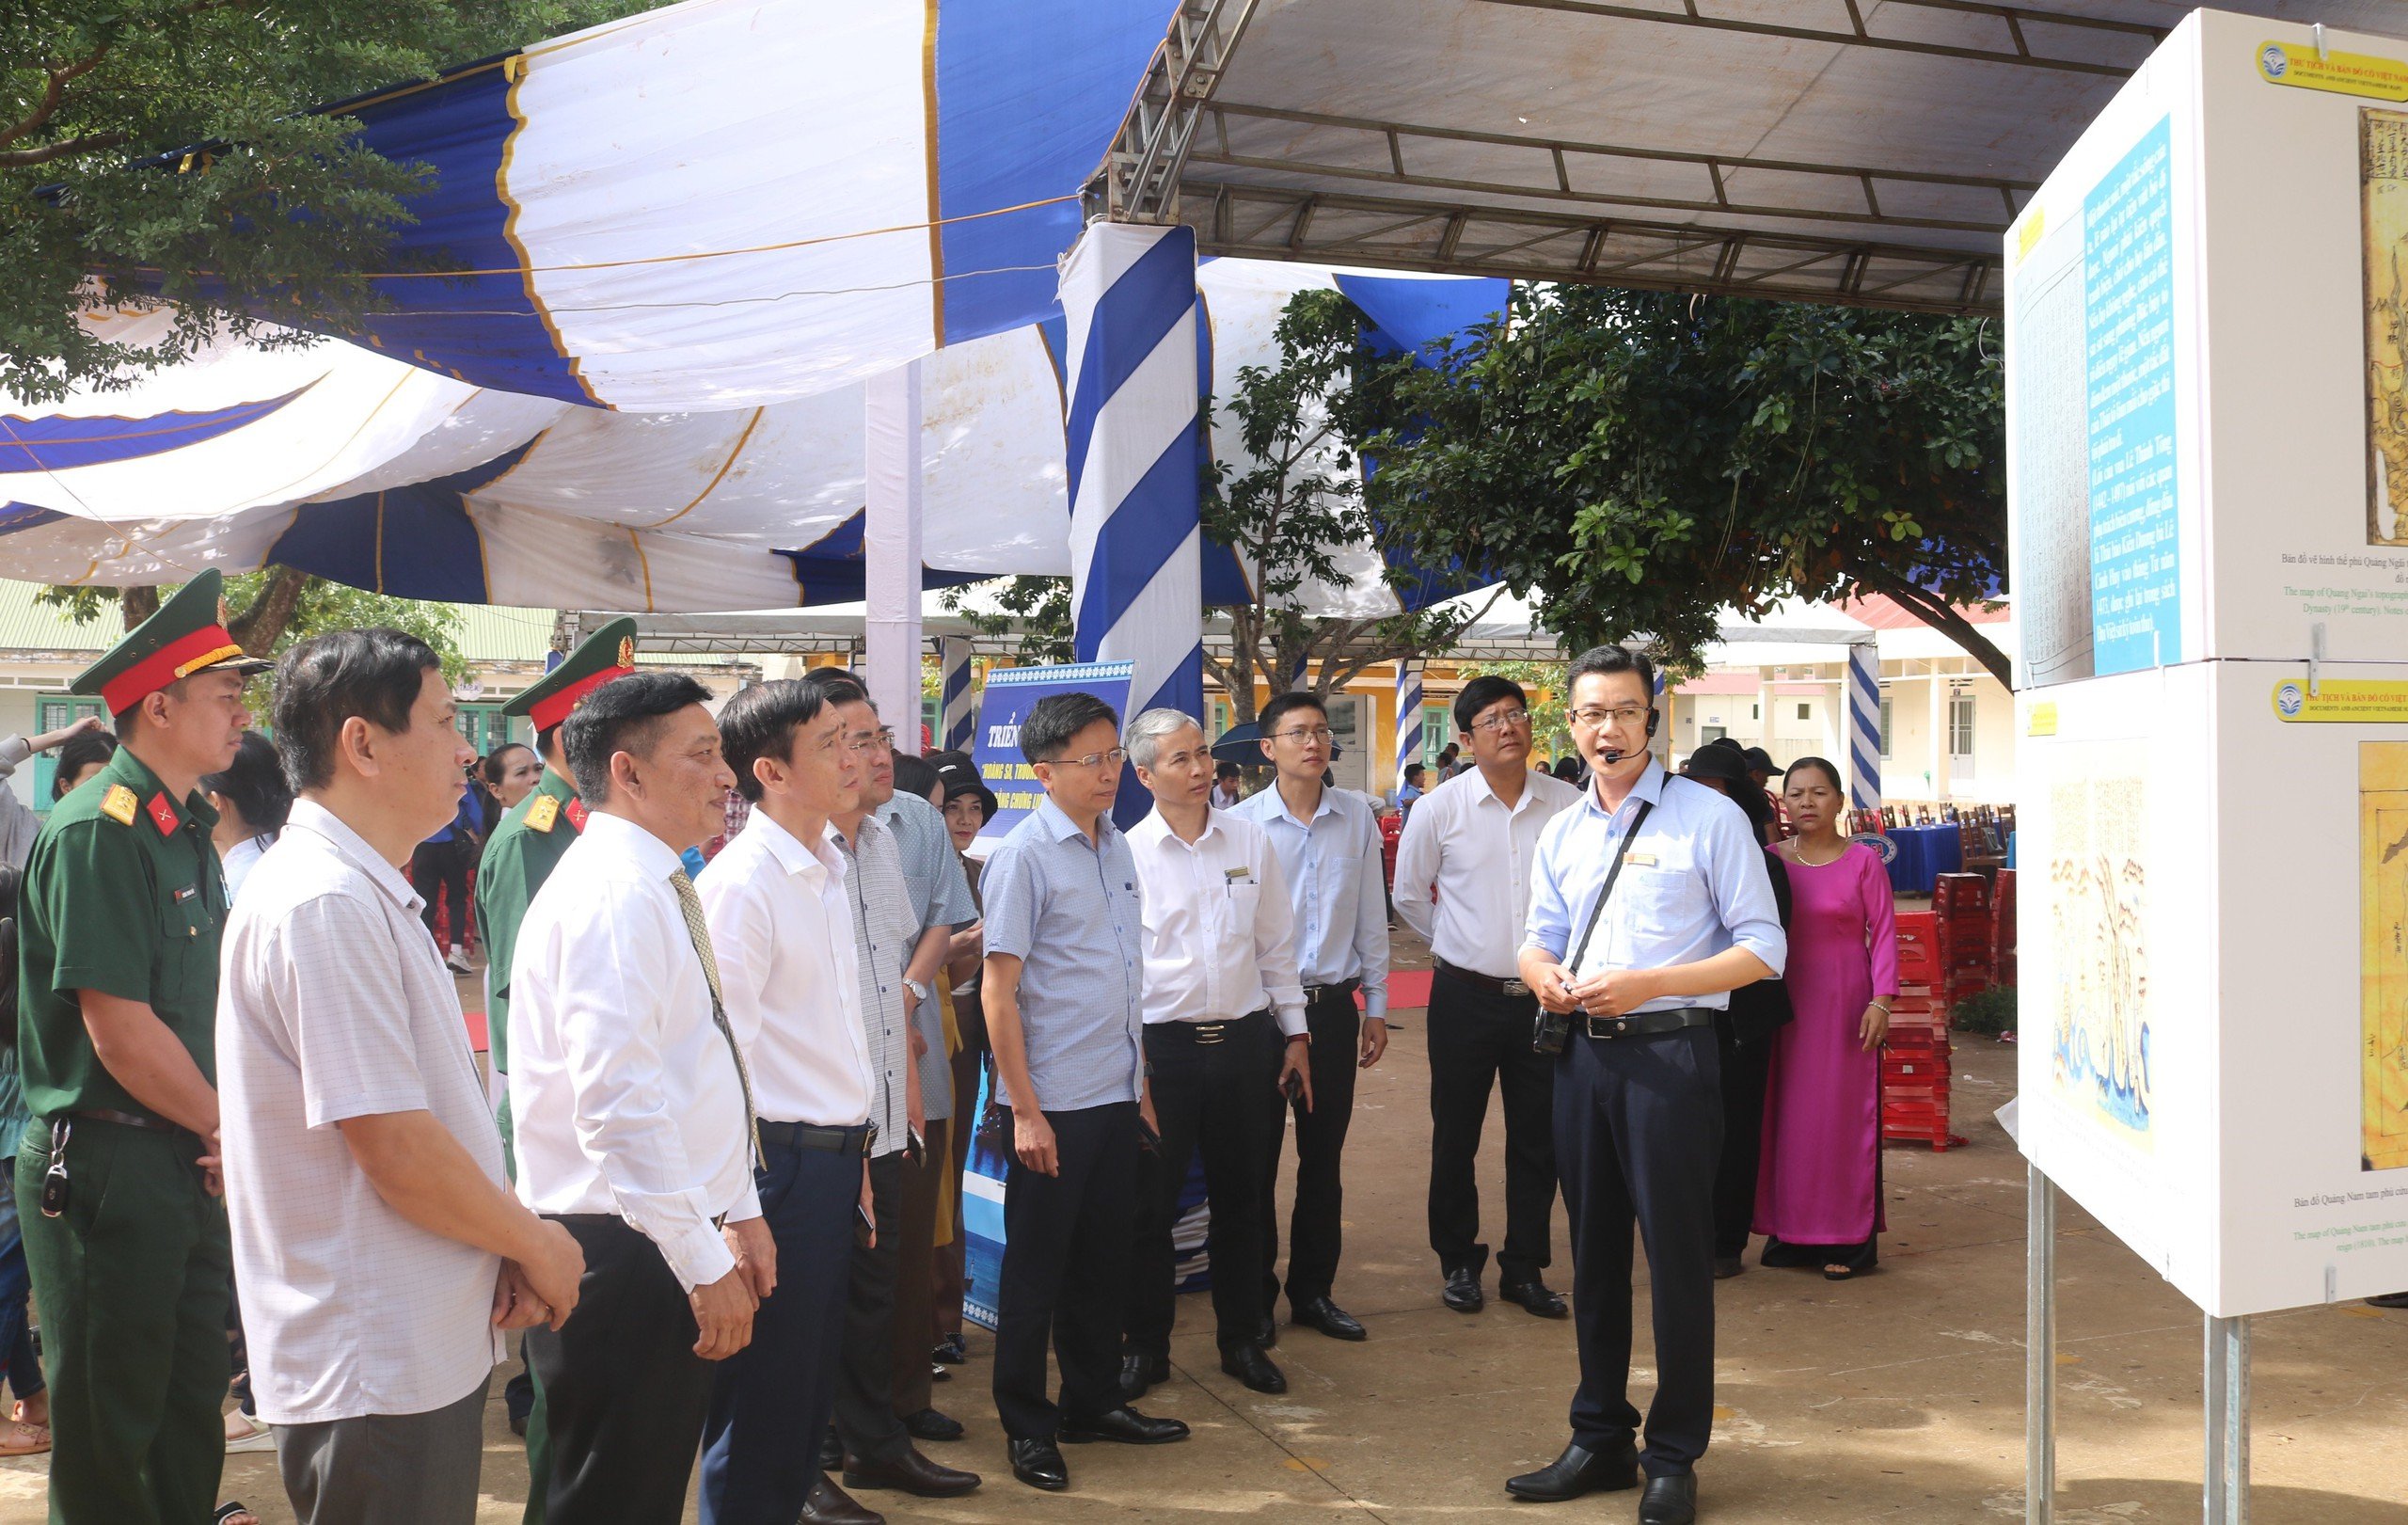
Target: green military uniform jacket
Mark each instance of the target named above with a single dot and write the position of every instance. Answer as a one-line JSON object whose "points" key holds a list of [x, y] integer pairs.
{"points": [[123, 894], [526, 846]]}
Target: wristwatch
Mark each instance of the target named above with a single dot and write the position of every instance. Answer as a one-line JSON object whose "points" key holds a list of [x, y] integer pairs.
{"points": [[919, 991]]}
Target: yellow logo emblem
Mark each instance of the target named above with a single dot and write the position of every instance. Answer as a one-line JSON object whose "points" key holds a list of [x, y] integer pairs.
{"points": [[627, 652]]}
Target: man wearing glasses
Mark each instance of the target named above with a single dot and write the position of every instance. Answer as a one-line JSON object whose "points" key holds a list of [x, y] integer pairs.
{"points": [[1651, 904], [1477, 834], [1328, 847]]}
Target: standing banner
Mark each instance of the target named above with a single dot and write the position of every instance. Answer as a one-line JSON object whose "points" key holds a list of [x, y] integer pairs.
{"points": [[1010, 694]]}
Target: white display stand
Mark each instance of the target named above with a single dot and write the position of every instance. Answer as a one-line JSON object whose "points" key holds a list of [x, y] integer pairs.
{"points": [[2208, 392]]}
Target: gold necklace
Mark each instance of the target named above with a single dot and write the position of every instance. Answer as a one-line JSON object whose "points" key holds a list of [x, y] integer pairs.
{"points": [[1797, 850]]}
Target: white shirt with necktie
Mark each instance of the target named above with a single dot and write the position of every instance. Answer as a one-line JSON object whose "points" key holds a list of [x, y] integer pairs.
{"points": [[1220, 933], [626, 1094], [1465, 865], [782, 925]]}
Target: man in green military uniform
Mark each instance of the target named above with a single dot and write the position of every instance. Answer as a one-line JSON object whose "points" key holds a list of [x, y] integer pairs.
{"points": [[525, 847], [122, 904]]}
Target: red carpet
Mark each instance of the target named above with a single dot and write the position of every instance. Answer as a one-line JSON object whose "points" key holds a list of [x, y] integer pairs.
{"points": [[477, 1030], [1408, 991]]}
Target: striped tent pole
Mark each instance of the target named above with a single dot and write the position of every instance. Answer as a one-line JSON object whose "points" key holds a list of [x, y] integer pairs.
{"points": [[1296, 678], [958, 709], [1864, 725], [1408, 715], [1137, 565]]}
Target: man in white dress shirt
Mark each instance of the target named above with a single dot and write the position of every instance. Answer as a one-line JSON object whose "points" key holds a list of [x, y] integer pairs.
{"points": [[1224, 1029], [375, 1243], [1463, 882], [1328, 844], [635, 1114], [782, 926]]}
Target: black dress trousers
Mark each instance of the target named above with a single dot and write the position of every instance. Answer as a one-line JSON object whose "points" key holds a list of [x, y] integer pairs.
{"points": [[1066, 1272], [1638, 1127], [1209, 1100], [1481, 1039], [1315, 1236], [624, 1395]]}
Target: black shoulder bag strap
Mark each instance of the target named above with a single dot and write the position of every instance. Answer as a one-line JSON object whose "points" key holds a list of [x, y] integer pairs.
{"points": [[1572, 965]]}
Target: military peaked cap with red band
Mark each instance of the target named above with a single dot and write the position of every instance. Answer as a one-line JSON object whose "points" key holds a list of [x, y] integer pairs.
{"points": [[183, 638], [608, 653]]}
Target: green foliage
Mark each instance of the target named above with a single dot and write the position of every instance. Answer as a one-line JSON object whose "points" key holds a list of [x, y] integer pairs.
{"points": [[257, 204], [269, 612], [1036, 608], [1542, 683], [1641, 460], [1295, 499], [1991, 1011]]}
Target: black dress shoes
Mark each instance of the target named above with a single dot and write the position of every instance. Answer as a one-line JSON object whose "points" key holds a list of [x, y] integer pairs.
{"points": [[910, 1472], [1535, 1298], [1266, 1333], [1330, 1319], [1727, 1267], [1249, 1365], [929, 1424], [1125, 1425], [1462, 1292], [1039, 1464], [1138, 1372], [1670, 1500], [1578, 1470], [829, 1504]]}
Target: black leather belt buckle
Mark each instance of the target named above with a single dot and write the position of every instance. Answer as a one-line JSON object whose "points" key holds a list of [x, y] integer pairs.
{"points": [[1608, 1027]]}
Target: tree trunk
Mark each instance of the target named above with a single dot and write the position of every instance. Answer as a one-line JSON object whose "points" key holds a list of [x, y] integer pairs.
{"points": [[1941, 616], [135, 605], [259, 626]]}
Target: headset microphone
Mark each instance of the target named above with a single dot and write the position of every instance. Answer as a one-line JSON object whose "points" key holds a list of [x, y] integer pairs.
{"points": [[1613, 756]]}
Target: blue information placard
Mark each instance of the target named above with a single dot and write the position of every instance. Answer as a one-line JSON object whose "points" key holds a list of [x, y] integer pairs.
{"points": [[2128, 311], [1010, 694]]}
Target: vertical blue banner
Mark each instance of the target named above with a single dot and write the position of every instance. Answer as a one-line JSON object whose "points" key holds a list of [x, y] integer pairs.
{"points": [[2127, 302]]}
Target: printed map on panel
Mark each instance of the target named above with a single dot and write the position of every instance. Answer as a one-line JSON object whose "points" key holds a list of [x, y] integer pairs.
{"points": [[2382, 957], [2383, 213], [2100, 1037]]}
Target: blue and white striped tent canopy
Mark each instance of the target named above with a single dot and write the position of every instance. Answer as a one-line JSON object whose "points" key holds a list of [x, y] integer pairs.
{"points": [[646, 394]]}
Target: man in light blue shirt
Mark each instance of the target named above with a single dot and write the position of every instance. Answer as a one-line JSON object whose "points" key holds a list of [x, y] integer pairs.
{"points": [[1650, 903], [1063, 992], [1328, 847]]}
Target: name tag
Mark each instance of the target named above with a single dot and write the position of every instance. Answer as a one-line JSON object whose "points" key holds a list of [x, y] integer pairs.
{"points": [[1642, 860], [186, 893], [1238, 876]]}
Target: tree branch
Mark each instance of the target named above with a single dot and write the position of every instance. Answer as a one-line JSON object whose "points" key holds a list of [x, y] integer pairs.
{"points": [[89, 143], [1941, 616], [271, 614]]}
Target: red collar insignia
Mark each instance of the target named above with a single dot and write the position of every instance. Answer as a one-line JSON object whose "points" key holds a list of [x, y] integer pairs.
{"points": [[163, 815], [575, 814]]}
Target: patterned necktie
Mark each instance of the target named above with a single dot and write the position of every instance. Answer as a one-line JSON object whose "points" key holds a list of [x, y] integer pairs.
{"points": [[699, 930]]}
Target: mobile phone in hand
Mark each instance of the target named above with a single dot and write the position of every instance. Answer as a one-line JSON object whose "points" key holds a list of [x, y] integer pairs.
{"points": [[1292, 1085], [864, 1227]]}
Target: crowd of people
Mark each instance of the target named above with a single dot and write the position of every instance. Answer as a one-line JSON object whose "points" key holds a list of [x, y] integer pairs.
{"points": [[713, 1180]]}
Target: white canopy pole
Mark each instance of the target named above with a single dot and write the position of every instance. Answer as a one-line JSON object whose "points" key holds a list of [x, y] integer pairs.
{"points": [[891, 548]]}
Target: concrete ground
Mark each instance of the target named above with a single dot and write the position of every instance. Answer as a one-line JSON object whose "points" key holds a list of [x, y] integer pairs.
{"points": [[1897, 1396]]}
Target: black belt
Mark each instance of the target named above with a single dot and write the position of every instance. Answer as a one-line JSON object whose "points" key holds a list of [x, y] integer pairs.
{"points": [[1490, 983], [1205, 1034], [1649, 1023], [853, 1140], [131, 1119], [1343, 990]]}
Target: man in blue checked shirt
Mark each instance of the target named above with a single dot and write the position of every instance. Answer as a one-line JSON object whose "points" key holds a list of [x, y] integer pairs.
{"points": [[1328, 847], [1063, 992], [1637, 1104]]}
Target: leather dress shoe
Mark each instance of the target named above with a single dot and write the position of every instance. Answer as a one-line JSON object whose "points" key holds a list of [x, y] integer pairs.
{"points": [[1462, 1292], [910, 1472], [1123, 1424], [1266, 1333], [1670, 1500], [1039, 1464], [1727, 1267], [832, 1506], [831, 1450], [1138, 1372], [1249, 1365], [1330, 1319], [1535, 1298], [931, 1424], [1578, 1470]]}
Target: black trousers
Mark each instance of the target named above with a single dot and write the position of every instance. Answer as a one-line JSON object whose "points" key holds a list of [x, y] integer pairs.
{"points": [[1746, 1065], [1479, 1038], [1314, 1232], [1216, 1100], [1638, 1126], [771, 1401], [624, 1395], [1066, 1264], [865, 1419], [438, 867]]}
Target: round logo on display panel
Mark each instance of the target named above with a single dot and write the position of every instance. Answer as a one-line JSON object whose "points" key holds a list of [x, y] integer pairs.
{"points": [[1882, 847], [2275, 62], [2290, 699]]}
